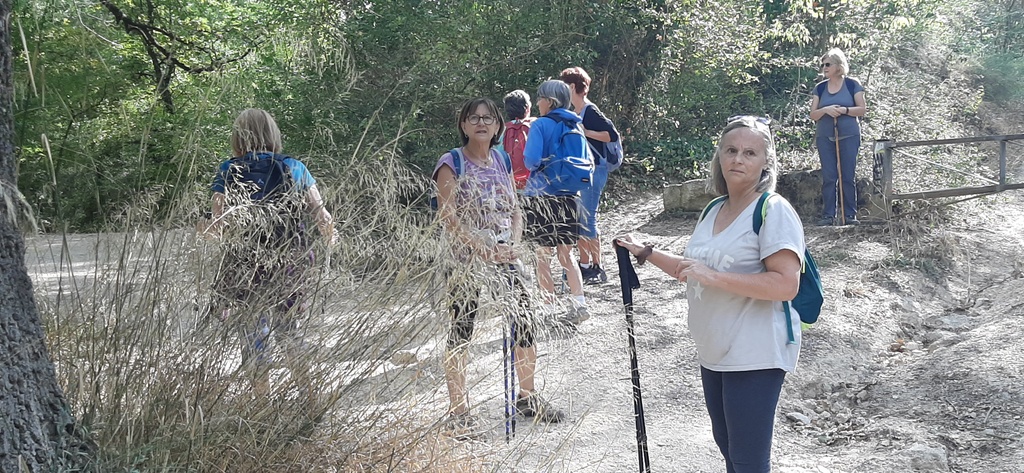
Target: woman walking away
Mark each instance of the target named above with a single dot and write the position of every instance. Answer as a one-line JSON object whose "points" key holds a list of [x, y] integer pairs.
{"points": [[260, 199], [482, 222], [552, 214], [736, 280], [837, 105], [599, 130], [517, 130]]}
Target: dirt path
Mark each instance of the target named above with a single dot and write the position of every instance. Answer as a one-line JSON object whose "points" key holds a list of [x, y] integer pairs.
{"points": [[916, 364]]}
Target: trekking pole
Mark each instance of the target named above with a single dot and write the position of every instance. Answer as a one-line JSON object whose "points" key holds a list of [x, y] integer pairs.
{"points": [[629, 281], [509, 368], [839, 167]]}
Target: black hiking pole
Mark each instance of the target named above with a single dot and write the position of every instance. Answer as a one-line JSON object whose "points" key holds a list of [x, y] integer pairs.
{"points": [[509, 368], [629, 281], [839, 168]]}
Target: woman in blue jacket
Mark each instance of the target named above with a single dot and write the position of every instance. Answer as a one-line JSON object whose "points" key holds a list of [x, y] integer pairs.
{"points": [[552, 214]]}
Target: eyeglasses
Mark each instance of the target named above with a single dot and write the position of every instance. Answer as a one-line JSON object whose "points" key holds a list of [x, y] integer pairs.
{"points": [[754, 118], [826, 64], [476, 119]]}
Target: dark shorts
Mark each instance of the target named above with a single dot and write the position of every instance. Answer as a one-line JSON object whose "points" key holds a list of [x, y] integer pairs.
{"points": [[507, 288], [552, 220]]}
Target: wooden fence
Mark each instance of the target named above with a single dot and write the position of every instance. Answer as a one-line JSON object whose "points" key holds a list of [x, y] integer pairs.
{"points": [[882, 172]]}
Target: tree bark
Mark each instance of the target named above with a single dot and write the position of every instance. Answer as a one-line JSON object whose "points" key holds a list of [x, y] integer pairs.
{"points": [[37, 429]]}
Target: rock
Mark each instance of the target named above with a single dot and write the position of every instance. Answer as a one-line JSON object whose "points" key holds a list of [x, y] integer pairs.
{"points": [[950, 322], [799, 418], [947, 340], [926, 458], [690, 196]]}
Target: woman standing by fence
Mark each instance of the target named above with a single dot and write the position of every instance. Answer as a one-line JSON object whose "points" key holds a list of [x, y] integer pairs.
{"points": [[837, 105]]}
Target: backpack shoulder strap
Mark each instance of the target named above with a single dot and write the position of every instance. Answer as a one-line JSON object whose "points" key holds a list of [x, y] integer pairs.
{"points": [[505, 158], [760, 211], [819, 90], [707, 208], [458, 163]]}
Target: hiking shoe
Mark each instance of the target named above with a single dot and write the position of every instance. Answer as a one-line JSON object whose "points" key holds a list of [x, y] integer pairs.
{"points": [[826, 222], [587, 273], [536, 407], [575, 315], [852, 221], [463, 426], [596, 275]]}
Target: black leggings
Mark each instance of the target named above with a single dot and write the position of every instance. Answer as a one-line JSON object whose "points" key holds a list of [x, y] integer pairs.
{"points": [[464, 302]]}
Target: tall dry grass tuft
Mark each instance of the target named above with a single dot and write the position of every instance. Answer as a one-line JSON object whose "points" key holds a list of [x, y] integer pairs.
{"points": [[156, 377]]}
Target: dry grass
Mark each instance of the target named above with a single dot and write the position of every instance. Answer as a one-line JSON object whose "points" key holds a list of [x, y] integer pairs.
{"points": [[157, 380]]}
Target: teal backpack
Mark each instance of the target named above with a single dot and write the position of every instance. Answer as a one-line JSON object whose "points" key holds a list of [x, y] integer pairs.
{"points": [[810, 296]]}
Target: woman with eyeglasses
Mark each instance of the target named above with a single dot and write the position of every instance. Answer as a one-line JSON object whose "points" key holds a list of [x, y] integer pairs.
{"points": [[736, 280], [837, 105], [482, 221]]}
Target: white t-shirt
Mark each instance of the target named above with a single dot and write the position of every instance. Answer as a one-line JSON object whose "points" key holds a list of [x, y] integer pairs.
{"points": [[735, 333]]}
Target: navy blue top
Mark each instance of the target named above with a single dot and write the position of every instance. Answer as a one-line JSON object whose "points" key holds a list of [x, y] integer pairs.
{"points": [[848, 125]]}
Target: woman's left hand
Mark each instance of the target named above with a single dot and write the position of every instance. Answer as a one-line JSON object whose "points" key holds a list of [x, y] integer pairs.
{"points": [[833, 111], [692, 269]]}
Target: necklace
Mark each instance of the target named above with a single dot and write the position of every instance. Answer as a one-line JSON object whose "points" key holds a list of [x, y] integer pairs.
{"points": [[478, 160]]}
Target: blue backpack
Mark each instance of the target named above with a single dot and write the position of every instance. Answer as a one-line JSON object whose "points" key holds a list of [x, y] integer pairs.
{"points": [[570, 168], [810, 296], [460, 169]]}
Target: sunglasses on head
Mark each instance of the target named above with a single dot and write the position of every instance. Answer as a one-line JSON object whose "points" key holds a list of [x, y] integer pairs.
{"points": [[762, 120]]}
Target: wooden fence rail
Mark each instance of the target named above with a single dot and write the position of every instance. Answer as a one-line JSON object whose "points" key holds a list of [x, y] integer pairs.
{"points": [[882, 172]]}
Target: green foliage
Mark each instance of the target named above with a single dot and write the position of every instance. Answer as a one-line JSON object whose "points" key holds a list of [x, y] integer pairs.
{"points": [[95, 132]]}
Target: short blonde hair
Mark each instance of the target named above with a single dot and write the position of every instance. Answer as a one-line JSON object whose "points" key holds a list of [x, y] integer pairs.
{"points": [[838, 59], [769, 175], [253, 131]]}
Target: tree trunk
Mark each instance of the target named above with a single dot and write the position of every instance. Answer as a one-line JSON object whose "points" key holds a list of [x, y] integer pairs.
{"points": [[37, 430]]}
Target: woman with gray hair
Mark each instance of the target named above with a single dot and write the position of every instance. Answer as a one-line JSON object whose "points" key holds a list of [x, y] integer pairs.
{"points": [[552, 215], [736, 280], [837, 105]]}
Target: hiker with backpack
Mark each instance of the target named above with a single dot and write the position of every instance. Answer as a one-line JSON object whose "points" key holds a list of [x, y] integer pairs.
{"points": [[517, 129], [600, 131], [482, 221], [560, 167], [837, 105], [737, 278], [260, 200]]}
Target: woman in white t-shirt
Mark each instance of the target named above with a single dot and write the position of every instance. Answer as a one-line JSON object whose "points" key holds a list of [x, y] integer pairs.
{"points": [[736, 281]]}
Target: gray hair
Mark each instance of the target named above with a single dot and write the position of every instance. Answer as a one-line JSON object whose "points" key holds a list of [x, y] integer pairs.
{"points": [[769, 175], [838, 58], [556, 91]]}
